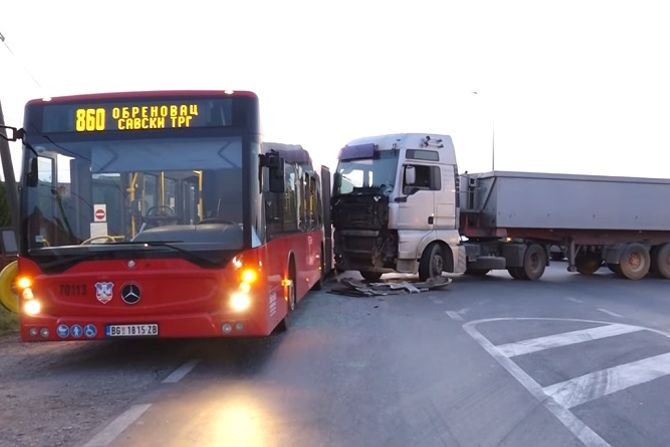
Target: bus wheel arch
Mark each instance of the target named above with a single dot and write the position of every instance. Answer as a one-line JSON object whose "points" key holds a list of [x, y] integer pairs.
{"points": [[289, 293]]}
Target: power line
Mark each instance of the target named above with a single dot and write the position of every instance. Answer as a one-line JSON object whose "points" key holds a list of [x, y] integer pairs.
{"points": [[25, 68]]}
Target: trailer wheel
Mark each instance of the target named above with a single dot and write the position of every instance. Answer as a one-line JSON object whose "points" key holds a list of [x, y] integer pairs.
{"points": [[431, 264], [635, 261], [370, 276], [588, 263], [614, 268], [661, 260], [534, 262]]}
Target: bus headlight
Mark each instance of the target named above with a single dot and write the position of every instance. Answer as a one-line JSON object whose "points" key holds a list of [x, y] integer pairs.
{"points": [[32, 307], [240, 301]]}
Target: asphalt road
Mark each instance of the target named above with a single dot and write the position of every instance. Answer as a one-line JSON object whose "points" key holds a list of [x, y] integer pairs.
{"points": [[568, 360]]}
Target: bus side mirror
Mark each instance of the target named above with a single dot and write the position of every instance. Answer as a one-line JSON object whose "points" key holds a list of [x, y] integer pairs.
{"points": [[14, 134], [410, 175], [275, 164], [31, 176]]}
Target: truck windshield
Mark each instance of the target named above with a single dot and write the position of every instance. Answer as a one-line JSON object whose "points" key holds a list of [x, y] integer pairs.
{"points": [[127, 190], [369, 174]]}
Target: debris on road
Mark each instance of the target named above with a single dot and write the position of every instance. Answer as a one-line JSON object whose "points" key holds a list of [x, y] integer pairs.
{"points": [[352, 287]]}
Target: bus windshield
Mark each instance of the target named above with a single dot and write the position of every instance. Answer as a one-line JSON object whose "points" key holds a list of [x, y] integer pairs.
{"points": [[131, 190]]}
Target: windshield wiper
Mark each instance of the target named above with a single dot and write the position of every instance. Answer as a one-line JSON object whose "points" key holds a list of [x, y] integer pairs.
{"points": [[70, 259], [188, 255]]}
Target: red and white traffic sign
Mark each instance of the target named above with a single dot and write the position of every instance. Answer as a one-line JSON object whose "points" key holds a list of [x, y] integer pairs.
{"points": [[99, 212]]}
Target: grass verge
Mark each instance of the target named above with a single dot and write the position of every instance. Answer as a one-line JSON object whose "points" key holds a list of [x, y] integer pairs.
{"points": [[9, 322]]}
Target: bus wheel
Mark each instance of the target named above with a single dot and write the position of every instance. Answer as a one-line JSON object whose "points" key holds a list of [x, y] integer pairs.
{"points": [[588, 263], [370, 276], [635, 261], [290, 299], [431, 264], [534, 262], [661, 260]]}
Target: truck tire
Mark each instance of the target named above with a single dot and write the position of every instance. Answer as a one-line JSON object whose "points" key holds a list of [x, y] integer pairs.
{"points": [[517, 273], [370, 276], [477, 272], [534, 262], [635, 261], [588, 263], [431, 264], [661, 260]]}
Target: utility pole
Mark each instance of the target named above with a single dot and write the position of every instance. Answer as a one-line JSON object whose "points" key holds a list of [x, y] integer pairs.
{"points": [[8, 170]]}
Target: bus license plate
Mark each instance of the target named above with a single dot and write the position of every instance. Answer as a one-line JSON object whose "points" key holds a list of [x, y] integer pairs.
{"points": [[131, 330]]}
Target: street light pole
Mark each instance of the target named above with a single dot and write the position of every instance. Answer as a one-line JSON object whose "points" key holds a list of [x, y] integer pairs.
{"points": [[493, 135]]}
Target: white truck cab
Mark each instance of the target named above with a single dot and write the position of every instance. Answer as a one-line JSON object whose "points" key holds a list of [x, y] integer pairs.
{"points": [[395, 206]]}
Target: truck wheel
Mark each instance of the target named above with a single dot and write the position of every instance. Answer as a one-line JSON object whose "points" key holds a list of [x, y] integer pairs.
{"points": [[431, 264], [370, 276], [661, 260], [534, 262], [517, 273], [588, 263], [635, 261]]}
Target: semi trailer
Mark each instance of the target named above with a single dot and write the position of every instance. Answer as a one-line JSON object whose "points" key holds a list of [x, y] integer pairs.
{"points": [[400, 205]]}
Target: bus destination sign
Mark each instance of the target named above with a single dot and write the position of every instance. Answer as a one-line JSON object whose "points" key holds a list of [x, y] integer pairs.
{"points": [[139, 115], [135, 117]]}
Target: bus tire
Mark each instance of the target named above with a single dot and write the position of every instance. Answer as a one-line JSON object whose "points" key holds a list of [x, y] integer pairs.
{"points": [[635, 261], [431, 264], [8, 297]]}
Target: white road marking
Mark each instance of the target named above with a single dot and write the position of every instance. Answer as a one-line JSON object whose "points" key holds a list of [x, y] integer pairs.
{"points": [[609, 312], [558, 398], [454, 315], [438, 301], [117, 426], [574, 300], [597, 384], [179, 373], [565, 339], [583, 432]]}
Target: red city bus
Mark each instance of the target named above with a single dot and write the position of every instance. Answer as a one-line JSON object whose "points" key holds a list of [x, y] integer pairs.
{"points": [[161, 214]]}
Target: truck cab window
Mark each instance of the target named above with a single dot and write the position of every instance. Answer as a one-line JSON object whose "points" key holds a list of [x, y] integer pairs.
{"points": [[427, 178]]}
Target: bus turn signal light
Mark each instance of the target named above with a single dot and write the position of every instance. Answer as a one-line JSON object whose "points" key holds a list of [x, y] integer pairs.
{"points": [[249, 275], [24, 282]]}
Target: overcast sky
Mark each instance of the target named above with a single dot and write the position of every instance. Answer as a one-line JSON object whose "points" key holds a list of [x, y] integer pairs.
{"points": [[568, 86]]}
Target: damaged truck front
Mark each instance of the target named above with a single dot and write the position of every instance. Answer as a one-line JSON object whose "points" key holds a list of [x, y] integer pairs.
{"points": [[394, 206]]}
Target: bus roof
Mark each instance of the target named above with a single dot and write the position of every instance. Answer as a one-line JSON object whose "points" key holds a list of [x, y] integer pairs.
{"points": [[143, 94], [292, 153]]}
